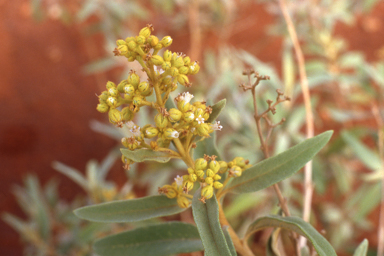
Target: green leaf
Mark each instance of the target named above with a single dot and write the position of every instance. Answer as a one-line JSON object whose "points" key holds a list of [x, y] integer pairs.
{"points": [[206, 217], [362, 249], [154, 240], [140, 155], [130, 210], [228, 239], [216, 109], [366, 155], [71, 173], [321, 245], [280, 167]]}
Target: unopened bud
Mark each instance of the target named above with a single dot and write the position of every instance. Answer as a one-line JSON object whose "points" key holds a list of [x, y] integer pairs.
{"points": [[207, 192], [217, 185], [167, 55], [133, 79], [153, 40], [210, 173], [209, 180], [186, 60], [240, 161], [110, 85], [183, 80], [157, 60], [151, 132], [112, 102], [102, 107], [194, 68], [170, 134], [200, 174], [201, 164], [161, 121], [120, 42], [145, 89], [166, 65], [183, 70], [203, 130], [214, 165], [140, 40], [178, 62], [146, 32], [132, 45], [217, 177], [114, 116], [174, 72], [123, 49], [188, 185], [192, 177], [127, 114], [166, 41], [113, 92], [182, 201], [174, 115], [129, 89]]}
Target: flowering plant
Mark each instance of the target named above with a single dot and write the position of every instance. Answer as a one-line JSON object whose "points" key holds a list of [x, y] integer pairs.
{"points": [[179, 126]]}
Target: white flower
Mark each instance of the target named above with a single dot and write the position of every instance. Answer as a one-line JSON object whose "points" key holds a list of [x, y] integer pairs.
{"points": [[236, 173], [216, 126], [161, 71], [193, 129], [179, 181], [185, 96], [200, 119], [175, 134], [134, 129]]}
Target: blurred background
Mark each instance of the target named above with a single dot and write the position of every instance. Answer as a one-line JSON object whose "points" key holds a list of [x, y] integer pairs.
{"points": [[56, 55]]}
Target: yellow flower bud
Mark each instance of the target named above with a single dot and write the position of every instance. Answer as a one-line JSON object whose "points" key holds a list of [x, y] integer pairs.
{"points": [[137, 100], [112, 102], [110, 85], [210, 173], [157, 60], [129, 89], [167, 55], [121, 85], [207, 192], [102, 107], [178, 62], [190, 171], [236, 171], [214, 165], [170, 134], [159, 46], [203, 130], [127, 114], [120, 42], [153, 40], [161, 121], [188, 117], [132, 45], [201, 164], [114, 116], [166, 41], [194, 68], [183, 80], [217, 177], [113, 92], [183, 70], [217, 185], [146, 32], [123, 49], [188, 185], [151, 132], [200, 174], [133, 79], [182, 201], [174, 72], [174, 115], [129, 39], [187, 60], [170, 192], [192, 177], [145, 89], [183, 107], [140, 40], [166, 65], [209, 180], [103, 96], [239, 161]]}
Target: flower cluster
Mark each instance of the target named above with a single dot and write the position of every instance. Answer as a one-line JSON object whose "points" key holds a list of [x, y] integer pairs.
{"points": [[182, 125]]}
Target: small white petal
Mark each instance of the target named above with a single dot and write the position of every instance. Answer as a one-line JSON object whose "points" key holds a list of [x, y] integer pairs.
{"points": [[179, 181]]}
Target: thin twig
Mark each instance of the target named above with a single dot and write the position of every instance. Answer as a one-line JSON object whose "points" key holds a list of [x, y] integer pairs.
{"points": [[308, 184], [380, 233]]}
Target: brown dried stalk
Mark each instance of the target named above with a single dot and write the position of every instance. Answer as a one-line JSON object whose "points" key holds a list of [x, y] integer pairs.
{"points": [[264, 146]]}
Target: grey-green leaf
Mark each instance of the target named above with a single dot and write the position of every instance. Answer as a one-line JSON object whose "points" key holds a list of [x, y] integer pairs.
{"points": [[208, 147], [207, 220], [143, 154], [229, 241], [216, 110], [130, 210], [321, 245], [279, 167], [154, 240], [362, 249]]}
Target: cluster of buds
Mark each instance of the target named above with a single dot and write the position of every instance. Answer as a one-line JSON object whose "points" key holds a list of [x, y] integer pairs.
{"points": [[208, 172], [182, 124]]}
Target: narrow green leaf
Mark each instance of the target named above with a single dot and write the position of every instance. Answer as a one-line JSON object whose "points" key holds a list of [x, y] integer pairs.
{"points": [[321, 245], [155, 240], [366, 155], [71, 173], [207, 220], [130, 210], [228, 239], [143, 154], [216, 109], [280, 167], [362, 249]]}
